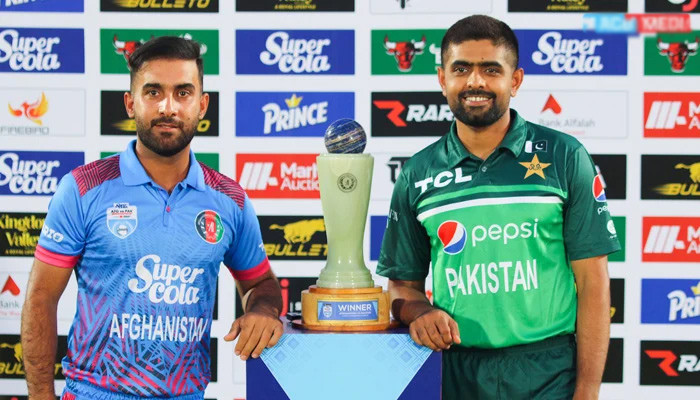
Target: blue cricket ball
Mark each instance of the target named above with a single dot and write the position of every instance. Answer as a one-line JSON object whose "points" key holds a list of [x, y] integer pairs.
{"points": [[345, 136]]}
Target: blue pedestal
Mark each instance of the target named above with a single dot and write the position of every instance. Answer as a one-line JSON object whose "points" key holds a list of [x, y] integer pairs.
{"points": [[308, 365]]}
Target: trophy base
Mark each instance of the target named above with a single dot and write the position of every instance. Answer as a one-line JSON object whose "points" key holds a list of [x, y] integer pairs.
{"points": [[355, 309]]}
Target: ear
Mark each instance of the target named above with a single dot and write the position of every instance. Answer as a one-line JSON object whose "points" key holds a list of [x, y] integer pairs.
{"points": [[129, 104], [203, 105], [518, 76], [441, 80]]}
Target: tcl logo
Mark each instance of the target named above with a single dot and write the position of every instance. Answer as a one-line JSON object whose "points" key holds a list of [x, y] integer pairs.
{"points": [[675, 239], [275, 176], [672, 115]]}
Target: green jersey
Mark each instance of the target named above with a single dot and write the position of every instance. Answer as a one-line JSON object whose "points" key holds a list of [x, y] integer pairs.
{"points": [[500, 233]]}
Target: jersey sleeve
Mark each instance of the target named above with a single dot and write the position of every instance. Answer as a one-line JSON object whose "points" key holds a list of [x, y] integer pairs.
{"points": [[588, 228], [246, 258], [405, 253], [62, 238]]}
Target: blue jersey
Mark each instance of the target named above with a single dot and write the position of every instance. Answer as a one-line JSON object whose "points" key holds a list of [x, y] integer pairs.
{"points": [[146, 263]]}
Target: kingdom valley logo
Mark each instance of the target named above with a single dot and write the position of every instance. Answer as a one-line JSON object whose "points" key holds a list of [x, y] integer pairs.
{"points": [[670, 363], [294, 238], [295, 5], [117, 45], [562, 110], [42, 50], [52, 112], [277, 176], [291, 294], [35, 173], [291, 114], [613, 363], [12, 356], [295, 52], [19, 233], [672, 115], [42, 5], [406, 51], [672, 54], [672, 6], [567, 5], [572, 52], [458, 7], [671, 177], [671, 239], [161, 6], [671, 301], [115, 121], [410, 114]]}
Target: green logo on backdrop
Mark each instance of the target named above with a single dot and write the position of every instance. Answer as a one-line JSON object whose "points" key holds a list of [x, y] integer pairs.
{"points": [[621, 228], [406, 51], [211, 160], [672, 54], [116, 45]]}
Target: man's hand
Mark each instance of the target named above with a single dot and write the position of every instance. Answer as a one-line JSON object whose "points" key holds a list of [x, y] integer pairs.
{"points": [[257, 331], [435, 329]]}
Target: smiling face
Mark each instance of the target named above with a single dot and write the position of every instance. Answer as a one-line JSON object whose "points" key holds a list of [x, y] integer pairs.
{"points": [[167, 102], [478, 80]]}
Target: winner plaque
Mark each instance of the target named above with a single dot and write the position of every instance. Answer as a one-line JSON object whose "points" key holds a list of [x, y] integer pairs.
{"points": [[345, 297]]}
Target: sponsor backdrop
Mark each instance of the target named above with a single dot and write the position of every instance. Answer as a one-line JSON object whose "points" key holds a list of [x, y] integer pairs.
{"points": [[280, 71]]}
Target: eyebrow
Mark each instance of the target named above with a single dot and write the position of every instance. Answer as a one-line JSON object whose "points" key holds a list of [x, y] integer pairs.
{"points": [[149, 85], [483, 64]]}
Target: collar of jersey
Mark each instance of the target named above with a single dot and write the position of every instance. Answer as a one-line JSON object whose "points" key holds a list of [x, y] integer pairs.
{"points": [[133, 173], [513, 140]]}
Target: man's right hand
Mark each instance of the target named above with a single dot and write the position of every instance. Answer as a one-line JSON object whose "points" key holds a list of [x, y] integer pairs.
{"points": [[435, 329]]}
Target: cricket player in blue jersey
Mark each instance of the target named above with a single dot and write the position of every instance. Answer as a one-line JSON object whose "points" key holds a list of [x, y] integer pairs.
{"points": [[145, 232]]}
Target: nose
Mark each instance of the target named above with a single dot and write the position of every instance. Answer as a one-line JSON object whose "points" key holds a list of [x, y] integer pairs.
{"points": [[166, 107], [475, 80]]}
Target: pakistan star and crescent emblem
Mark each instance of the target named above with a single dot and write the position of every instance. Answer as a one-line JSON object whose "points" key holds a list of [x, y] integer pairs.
{"points": [[535, 167]]}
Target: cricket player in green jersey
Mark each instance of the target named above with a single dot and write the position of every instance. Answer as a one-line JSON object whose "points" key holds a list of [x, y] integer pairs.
{"points": [[512, 218]]}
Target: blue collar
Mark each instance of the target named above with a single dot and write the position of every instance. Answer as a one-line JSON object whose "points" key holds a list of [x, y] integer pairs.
{"points": [[133, 174]]}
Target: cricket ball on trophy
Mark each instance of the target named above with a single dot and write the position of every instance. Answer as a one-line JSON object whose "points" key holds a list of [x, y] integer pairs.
{"points": [[345, 136]]}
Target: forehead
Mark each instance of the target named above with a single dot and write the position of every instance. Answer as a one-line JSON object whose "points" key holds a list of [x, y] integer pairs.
{"points": [[477, 51], [168, 72]]}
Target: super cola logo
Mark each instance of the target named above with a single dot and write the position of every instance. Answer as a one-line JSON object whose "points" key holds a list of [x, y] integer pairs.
{"points": [[35, 172], [41, 50], [277, 176], [572, 52], [168, 283]]}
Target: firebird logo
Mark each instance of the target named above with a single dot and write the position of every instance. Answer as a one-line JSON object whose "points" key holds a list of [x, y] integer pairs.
{"points": [[678, 52], [33, 111], [404, 52]]}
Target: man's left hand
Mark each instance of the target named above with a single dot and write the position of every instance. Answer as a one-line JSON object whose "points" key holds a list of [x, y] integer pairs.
{"points": [[257, 331]]}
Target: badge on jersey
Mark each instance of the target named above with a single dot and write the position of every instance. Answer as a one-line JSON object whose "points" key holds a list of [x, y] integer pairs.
{"points": [[209, 226], [599, 188], [453, 237], [122, 220]]}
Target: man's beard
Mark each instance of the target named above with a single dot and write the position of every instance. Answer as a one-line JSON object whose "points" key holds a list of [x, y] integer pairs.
{"points": [[477, 120], [160, 147]]}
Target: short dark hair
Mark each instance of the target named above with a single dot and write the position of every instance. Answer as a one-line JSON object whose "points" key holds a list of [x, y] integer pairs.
{"points": [[167, 47], [481, 27]]}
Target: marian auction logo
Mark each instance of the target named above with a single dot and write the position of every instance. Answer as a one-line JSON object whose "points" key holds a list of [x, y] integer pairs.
{"points": [[671, 301], [406, 51], [295, 52], [19, 233], [290, 114], [670, 363], [42, 50], [671, 177], [115, 121], [42, 112], [671, 239], [669, 115], [672, 6], [42, 5], [117, 45], [294, 237], [35, 173], [572, 52], [295, 5], [161, 6], [672, 54], [567, 6], [278, 176], [410, 114]]}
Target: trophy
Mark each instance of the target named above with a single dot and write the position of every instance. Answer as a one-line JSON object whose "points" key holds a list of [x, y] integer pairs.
{"points": [[345, 297]]}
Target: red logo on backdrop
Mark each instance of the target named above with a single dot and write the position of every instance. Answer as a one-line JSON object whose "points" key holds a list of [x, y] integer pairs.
{"points": [[551, 104], [278, 176], [672, 115], [671, 239], [10, 286]]}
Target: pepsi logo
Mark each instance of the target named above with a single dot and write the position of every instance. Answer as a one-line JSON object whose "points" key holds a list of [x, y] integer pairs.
{"points": [[453, 237], [598, 189]]}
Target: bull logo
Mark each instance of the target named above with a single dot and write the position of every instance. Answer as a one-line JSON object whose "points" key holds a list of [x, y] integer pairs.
{"points": [[126, 48], [301, 231], [17, 347], [404, 52], [678, 52], [694, 171]]}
